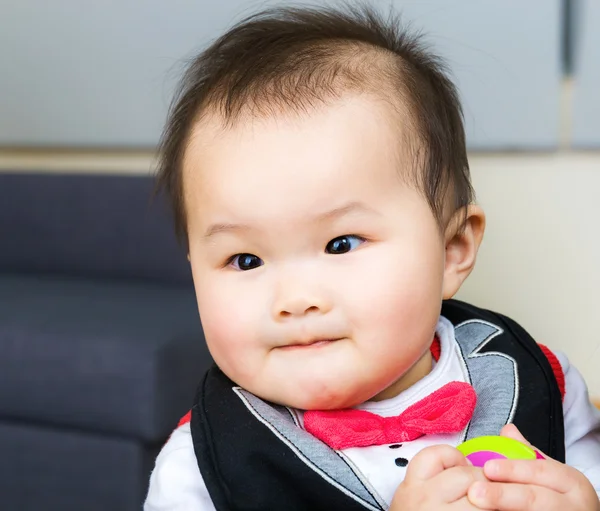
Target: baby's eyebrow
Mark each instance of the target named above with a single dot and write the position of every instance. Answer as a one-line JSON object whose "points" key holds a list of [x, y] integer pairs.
{"points": [[223, 228], [350, 207], [332, 214]]}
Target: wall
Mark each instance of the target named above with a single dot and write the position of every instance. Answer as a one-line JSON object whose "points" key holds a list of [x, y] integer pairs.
{"points": [[539, 262], [101, 74]]}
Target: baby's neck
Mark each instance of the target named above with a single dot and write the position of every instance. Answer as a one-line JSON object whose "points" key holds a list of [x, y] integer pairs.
{"points": [[417, 372]]}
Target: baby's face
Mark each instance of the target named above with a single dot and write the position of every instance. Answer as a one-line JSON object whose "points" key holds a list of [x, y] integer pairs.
{"points": [[318, 270]]}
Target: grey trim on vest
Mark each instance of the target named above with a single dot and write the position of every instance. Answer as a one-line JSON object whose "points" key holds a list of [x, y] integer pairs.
{"points": [[494, 376], [314, 453]]}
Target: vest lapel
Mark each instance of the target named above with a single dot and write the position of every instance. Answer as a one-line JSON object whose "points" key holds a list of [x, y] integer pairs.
{"points": [[493, 375], [315, 454]]}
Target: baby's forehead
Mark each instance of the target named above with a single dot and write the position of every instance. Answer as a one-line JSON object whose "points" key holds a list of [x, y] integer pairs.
{"points": [[391, 117], [351, 129], [335, 151], [350, 150]]}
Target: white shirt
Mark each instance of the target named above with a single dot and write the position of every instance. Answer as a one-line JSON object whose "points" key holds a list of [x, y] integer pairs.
{"points": [[177, 485]]}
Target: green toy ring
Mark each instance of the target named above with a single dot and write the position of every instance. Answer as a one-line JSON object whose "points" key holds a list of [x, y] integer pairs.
{"points": [[485, 448]]}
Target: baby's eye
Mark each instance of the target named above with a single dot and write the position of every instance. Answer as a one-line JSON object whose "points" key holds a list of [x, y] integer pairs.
{"points": [[245, 262], [343, 244]]}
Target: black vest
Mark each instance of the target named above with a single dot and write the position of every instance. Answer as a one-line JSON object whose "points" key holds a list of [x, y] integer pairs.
{"points": [[253, 456]]}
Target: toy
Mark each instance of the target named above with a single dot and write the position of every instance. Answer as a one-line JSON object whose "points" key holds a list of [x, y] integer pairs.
{"points": [[485, 448]]}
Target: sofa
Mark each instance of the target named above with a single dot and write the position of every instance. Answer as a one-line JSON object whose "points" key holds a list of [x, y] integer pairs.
{"points": [[100, 340]]}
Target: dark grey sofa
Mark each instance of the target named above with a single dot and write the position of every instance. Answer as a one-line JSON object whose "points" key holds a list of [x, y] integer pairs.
{"points": [[100, 342]]}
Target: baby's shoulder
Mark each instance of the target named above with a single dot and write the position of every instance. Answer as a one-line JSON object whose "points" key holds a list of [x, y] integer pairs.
{"points": [[176, 482], [176, 459]]}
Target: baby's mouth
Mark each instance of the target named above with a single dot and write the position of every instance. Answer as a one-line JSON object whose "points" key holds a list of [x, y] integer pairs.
{"points": [[311, 344]]}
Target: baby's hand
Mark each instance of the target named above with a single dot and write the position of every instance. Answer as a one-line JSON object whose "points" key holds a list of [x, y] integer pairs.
{"points": [[437, 479], [532, 485]]}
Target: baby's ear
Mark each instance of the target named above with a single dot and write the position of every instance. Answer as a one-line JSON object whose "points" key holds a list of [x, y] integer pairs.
{"points": [[463, 236]]}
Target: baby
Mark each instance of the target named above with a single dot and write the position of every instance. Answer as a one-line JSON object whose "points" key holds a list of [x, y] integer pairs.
{"points": [[316, 163]]}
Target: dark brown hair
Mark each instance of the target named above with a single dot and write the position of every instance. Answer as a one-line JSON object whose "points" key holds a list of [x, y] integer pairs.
{"points": [[293, 58]]}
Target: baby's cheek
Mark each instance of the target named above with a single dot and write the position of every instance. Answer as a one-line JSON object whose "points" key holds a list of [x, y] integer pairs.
{"points": [[225, 334]]}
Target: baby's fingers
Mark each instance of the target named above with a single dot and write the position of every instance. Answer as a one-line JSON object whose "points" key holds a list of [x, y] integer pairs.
{"points": [[453, 484], [514, 497], [511, 431], [433, 461], [547, 473]]}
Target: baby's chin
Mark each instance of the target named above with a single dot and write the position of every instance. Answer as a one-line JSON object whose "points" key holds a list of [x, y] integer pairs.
{"points": [[315, 400], [317, 391]]}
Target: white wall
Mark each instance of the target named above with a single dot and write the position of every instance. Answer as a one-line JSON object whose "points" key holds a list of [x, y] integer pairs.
{"points": [[540, 260]]}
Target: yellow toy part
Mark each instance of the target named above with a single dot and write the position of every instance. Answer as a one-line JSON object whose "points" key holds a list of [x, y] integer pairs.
{"points": [[485, 448]]}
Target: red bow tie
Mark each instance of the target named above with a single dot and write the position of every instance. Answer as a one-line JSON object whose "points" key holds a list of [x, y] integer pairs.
{"points": [[447, 410]]}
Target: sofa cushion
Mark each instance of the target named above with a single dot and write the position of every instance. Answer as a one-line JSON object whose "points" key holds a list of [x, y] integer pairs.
{"points": [[54, 469], [114, 357], [98, 226]]}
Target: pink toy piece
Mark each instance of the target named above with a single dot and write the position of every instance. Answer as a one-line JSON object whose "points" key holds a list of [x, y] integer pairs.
{"points": [[479, 458]]}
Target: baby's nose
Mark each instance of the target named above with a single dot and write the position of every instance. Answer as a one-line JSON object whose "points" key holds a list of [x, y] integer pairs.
{"points": [[300, 301], [298, 308]]}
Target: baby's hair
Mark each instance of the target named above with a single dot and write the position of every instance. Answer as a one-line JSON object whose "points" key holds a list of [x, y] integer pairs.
{"points": [[293, 59]]}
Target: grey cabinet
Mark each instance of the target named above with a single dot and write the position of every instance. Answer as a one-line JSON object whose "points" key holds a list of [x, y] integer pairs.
{"points": [[586, 93]]}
